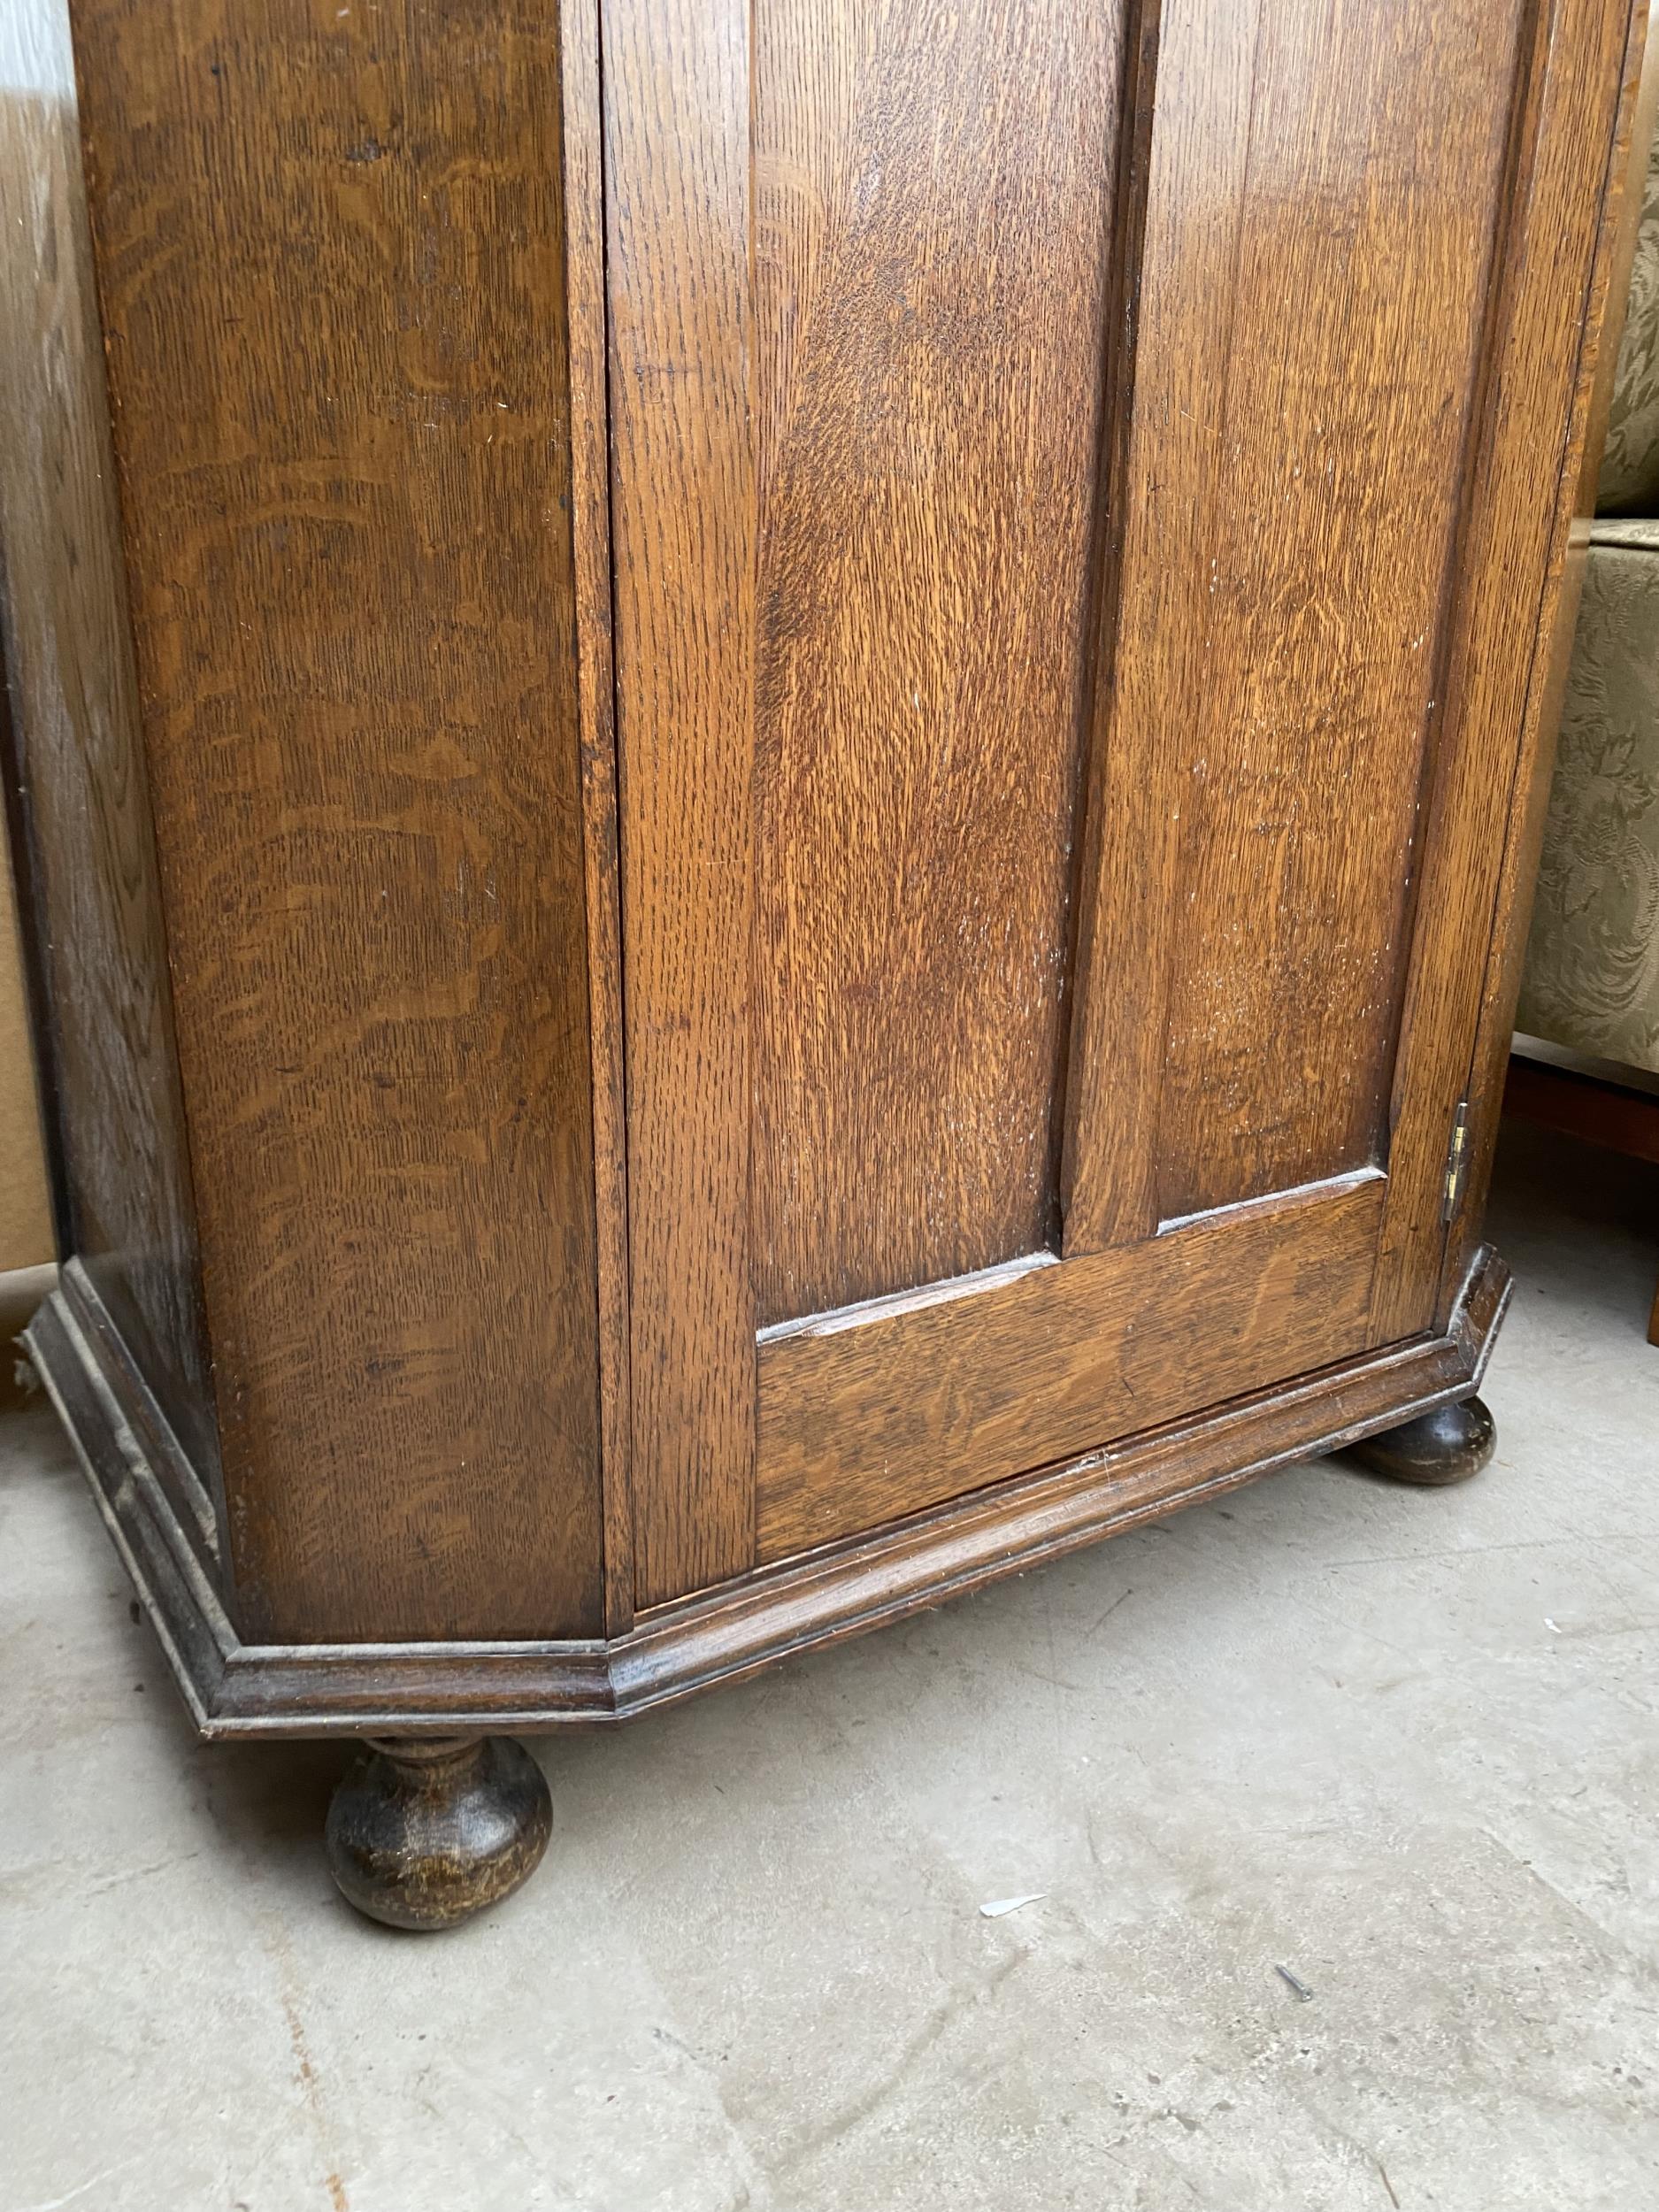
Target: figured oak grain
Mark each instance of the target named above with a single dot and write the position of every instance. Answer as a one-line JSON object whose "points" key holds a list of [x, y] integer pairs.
{"points": [[76, 771], [932, 212], [1317, 234], [655, 528], [1494, 756], [1582, 137], [583, 146], [1206, 488], [676, 77], [719, 1636], [331, 256], [867, 1422]]}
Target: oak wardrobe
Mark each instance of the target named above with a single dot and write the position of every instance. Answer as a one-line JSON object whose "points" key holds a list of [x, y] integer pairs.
{"points": [[794, 871]]}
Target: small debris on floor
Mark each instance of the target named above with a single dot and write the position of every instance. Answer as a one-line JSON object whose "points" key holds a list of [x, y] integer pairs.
{"points": [[998, 1906], [1296, 1982]]}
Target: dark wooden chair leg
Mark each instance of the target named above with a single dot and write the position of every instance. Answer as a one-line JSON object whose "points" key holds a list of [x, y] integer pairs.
{"points": [[1448, 1445], [425, 1831]]}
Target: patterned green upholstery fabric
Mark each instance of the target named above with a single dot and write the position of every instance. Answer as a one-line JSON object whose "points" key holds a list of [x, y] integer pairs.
{"points": [[1592, 978], [1629, 482]]}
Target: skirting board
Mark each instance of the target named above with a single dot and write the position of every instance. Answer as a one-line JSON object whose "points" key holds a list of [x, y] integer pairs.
{"points": [[237, 1689]]}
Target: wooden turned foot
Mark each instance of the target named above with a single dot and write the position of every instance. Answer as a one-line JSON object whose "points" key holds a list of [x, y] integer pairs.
{"points": [[425, 1831], [1448, 1445]]}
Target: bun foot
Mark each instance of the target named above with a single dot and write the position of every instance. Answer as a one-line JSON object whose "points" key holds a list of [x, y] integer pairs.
{"points": [[1448, 1445], [425, 1831]]}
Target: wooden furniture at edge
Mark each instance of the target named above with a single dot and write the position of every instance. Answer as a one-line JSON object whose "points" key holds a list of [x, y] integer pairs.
{"points": [[833, 740], [1592, 1107]]}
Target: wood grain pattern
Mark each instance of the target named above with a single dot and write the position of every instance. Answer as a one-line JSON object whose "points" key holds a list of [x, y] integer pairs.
{"points": [[1602, 324], [1298, 227], [582, 143], [324, 239], [931, 207], [75, 773], [676, 74], [642, 516], [1302, 386], [1511, 560], [233, 1688], [861, 1424], [1184, 285], [28, 1239]]}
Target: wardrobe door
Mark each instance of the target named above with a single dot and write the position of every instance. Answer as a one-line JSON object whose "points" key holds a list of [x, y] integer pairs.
{"points": [[1085, 485]]}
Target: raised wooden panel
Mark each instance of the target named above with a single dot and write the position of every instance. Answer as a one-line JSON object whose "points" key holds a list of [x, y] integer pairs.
{"points": [[857, 266], [1321, 209], [931, 215], [882, 1414], [332, 257]]}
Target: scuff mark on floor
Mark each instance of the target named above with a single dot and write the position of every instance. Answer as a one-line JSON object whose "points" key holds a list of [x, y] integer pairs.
{"points": [[305, 2074]]}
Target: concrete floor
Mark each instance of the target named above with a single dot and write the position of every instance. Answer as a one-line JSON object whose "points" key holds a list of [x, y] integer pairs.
{"points": [[1403, 1742]]}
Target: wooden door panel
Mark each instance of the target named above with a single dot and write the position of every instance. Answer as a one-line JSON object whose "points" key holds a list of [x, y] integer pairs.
{"points": [[869, 1415], [855, 271], [1061, 460], [1304, 364], [932, 205]]}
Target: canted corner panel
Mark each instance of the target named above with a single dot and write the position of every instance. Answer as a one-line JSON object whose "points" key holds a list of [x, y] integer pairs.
{"points": [[331, 253], [1580, 71], [79, 791]]}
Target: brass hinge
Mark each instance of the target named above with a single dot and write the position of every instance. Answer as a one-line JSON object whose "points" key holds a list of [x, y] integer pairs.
{"points": [[1456, 1160]]}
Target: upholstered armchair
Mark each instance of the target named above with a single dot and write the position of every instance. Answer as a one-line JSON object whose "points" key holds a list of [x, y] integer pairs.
{"points": [[1588, 1019], [1591, 976]]}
